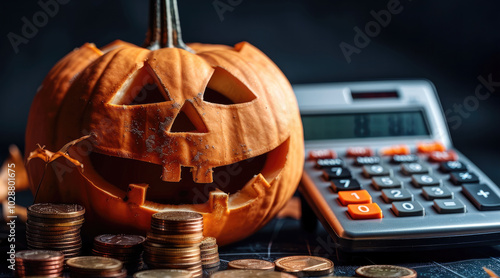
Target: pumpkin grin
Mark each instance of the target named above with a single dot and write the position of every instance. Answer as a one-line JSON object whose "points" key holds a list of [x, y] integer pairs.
{"points": [[229, 179]]}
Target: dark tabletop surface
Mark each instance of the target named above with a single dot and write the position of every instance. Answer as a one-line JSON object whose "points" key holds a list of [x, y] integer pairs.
{"points": [[287, 237]]}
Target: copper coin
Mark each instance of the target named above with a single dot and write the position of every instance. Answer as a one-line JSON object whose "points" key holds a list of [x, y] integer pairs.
{"points": [[177, 216], [164, 273], [211, 266], [250, 273], [382, 271], [50, 210], [94, 264], [305, 265], [120, 240], [250, 264], [208, 241], [54, 236], [56, 224], [39, 255], [54, 220]]}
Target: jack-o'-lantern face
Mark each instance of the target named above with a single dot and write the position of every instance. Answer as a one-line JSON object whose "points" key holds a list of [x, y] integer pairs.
{"points": [[216, 131]]}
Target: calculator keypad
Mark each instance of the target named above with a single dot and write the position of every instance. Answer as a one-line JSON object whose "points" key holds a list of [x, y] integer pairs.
{"points": [[413, 185]]}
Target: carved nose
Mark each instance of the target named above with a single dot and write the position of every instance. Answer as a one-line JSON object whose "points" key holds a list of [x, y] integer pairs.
{"points": [[188, 120]]}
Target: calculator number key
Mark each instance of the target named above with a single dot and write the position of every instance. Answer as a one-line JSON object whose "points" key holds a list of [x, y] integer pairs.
{"points": [[394, 195], [345, 184], [449, 206], [414, 168], [437, 192], [359, 151], [408, 208], [425, 180], [365, 211], [385, 182], [336, 173], [443, 156], [482, 196], [354, 197], [453, 166], [463, 177], [376, 170]]}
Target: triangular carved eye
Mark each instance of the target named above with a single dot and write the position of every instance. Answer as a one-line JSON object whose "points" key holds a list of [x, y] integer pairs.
{"points": [[141, 88], [224, 88], [188, 120]]}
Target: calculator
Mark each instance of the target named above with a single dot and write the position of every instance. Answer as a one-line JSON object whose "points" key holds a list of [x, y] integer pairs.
{"points": [[381, 173]]}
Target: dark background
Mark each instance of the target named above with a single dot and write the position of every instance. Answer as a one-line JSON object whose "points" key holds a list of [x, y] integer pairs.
{"points": [[450, 43]]}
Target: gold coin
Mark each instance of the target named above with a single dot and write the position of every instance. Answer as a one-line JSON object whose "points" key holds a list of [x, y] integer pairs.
{"points": [[382, 271], [250, 264], [50, 210], [164, 273], [250, 273], [94, 263], [305, 265]]}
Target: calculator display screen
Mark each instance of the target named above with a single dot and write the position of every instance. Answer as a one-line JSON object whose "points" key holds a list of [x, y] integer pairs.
{"points": [[364, 125]]}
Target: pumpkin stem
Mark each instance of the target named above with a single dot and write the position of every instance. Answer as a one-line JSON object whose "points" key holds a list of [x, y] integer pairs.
{"points": [[164, 26]]}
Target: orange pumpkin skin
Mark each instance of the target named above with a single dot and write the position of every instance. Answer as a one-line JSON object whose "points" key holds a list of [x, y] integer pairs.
{"points": [[88, 92]]}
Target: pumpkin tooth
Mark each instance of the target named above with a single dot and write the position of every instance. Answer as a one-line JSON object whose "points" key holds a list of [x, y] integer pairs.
{"points": [[219, 203], [171, 172], [202, 174], [136, 193]]}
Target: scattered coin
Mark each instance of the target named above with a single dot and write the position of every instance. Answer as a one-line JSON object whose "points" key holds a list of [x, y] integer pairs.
{"points": [[250, 264], [163, 273], [55, 227], [95, 266], [382, 271], [305, 265], [46, 263], [250, 273]]}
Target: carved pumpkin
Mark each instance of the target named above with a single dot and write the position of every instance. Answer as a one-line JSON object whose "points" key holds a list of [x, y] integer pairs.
{"points": [[206, 128]]}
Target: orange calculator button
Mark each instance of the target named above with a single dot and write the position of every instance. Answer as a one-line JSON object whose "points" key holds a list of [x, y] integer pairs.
{"points": [[443, 156], [430, 147], [396, 150], [359, 152], [365, 211], [354, 197], [322, 154]]}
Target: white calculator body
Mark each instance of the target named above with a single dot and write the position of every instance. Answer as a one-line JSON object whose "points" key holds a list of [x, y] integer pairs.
{"points": [[381, 172]]}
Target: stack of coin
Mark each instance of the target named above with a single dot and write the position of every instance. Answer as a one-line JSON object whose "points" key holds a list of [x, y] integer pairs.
{"points": [[305, 265], [164, 273], [55, 227], [174, 241], [209, 253], [45, 263], [95, 266], [126, 248]]}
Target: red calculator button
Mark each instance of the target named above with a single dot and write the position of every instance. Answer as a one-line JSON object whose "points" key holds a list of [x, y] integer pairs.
{"points": [[354, 197], [443, 156], [365, 211], [430, 147], [396, 150], [322, 154], [359, 151]]}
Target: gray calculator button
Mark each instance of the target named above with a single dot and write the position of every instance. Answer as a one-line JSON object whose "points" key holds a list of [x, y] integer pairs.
{"points": [[405, 158], [345, 184], [437, 192], [463, 177], [482, 196], [449, 206], [367, 160], [330, 173], [376, 170], [329, 162], [385, 182], [414, 168], [425, 180], [396, 194], [408, 208]]}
